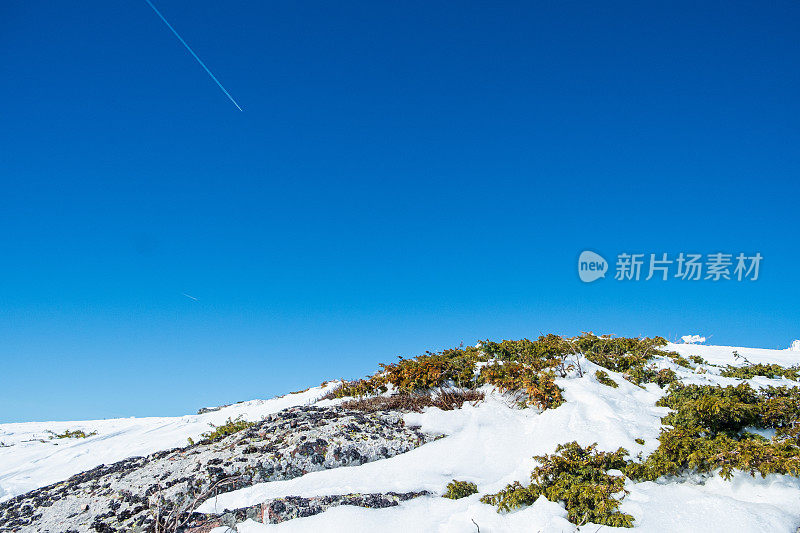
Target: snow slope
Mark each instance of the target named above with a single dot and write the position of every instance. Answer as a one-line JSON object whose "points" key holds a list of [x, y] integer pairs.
{"points": [[723, 355], [30, 459], [490, 444]]}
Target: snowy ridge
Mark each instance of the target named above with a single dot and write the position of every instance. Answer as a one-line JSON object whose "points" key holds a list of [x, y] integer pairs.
{"points": [[27, 463], [723, 355], [490, 443]]}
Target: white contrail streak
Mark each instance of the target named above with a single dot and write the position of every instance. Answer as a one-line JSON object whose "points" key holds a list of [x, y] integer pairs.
{"points": [[195, 55], [190, 296]]}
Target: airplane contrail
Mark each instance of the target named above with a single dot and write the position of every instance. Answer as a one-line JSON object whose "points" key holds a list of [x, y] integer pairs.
{"points": [[190, 296], [193, 54]]}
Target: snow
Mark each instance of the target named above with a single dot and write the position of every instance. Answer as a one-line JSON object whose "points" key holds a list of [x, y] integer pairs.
{"points": [[795, 347], [742, 504], [693, 339], [425, 514], [27, 463], [723, 355], [490, 444]]}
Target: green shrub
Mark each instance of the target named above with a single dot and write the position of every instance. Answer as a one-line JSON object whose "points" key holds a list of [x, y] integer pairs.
{"points": [[683, 450], [680, 360], [650, 374], [619, 354], [460, 489], [709, 432], [712, 408], [70, 434], [602, 377], [773, 371], [358, 388], [698, 360], [230, 427], [631, 356], [548, 351], [780, 410], [576, 476], [730, 409], [530, 366], [638, 440]]}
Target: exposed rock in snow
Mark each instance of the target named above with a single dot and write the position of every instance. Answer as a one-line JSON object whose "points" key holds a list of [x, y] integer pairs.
{"points": [[291, 507], [284, 446], [29, 459]]}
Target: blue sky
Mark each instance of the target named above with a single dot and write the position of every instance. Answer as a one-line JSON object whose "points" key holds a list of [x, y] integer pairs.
{"points": [[405, 176]]}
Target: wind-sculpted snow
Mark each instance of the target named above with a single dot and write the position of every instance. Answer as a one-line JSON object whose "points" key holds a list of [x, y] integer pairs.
{"points": [[131, 494]]}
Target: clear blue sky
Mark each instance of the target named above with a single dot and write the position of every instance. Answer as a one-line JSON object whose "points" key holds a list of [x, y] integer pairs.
{"points": [[405, 176]]}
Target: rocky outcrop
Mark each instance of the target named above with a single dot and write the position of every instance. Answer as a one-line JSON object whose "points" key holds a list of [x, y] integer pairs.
{"points": [[167, 486], [290, 507]]}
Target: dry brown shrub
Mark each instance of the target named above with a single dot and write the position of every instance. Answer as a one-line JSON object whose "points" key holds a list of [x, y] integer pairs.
{"points": [[446, 400]]}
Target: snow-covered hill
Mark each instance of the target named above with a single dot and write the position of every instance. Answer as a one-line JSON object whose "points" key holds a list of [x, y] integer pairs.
{"points": [[30, 458], [489, 443]]}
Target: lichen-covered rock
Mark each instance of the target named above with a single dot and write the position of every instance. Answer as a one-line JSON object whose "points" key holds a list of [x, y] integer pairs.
{"points": [[167, 486], [290, 507]]}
